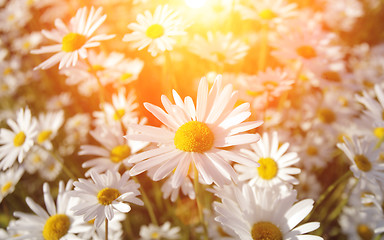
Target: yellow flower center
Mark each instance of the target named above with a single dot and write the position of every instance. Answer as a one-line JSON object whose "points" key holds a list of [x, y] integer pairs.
{"points": [[11, 17], [362, 163], [155, 31], [43, 135], [7, 71], [19, 139], [56, 227], [119, 153], [95, 68], [26, 45], [254, 93], [73, 41], [268, 168], [119, 113], [36, 158], [270, 85], [267, 14], [6, 187], [4, 87], [331, 76], [379, 132], [312, 150], [326, 115], [306, 52], [125, 76], [155, 235], [194, 136], [364, 232], [266, 231], [219, 56], [107, 195]]}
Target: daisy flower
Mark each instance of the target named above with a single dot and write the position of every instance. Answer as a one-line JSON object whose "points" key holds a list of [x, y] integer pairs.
{"points": [[267, 85], [157, 31], [105, 194], [173, 193], [8, 181], [73, 41], [16, 143], [123, 110], [57, 222], [48, 126], [113, 68], [114, 152], [360, 224], [59, 102], [274, 162], [270, 12], [196, 136], [255, 213], [365, 159], [27, 42], [374, 107], [219, 48], [342, 15], [165, 231]]}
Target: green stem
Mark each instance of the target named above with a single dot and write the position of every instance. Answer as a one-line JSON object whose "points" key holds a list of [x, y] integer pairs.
{"points": [[328, 191], [147, 203], [106, 229], [196, 185]]}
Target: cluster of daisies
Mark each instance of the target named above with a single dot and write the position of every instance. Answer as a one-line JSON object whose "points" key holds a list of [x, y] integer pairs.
{"points": [[191, 120]]}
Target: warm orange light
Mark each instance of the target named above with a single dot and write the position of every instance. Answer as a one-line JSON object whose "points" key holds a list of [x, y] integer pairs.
{"points": [[195, 3]]}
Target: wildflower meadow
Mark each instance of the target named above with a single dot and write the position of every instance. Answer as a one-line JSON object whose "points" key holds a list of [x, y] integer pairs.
{"points": [[192, 119]]}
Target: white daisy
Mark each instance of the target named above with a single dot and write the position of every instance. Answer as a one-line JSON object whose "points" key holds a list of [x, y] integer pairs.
{"points": [[16, 143], [158, 31], [26, 43], [270, 12], [165, 231], [365, 159], [360, 224], [123, 110], [59, 102], [8, 181], [114, 152], [173, 193], [274, 162], [73, 41], [255, 213], [342, 15], [219, 48], [196, 136], [48, 126], [374, 107], [105, 194], [57, 222], [50, 169]]}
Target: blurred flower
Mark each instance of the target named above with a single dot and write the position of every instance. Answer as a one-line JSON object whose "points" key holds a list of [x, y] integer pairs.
{"points": [[164, 231], [48, 126], [115, 229], [57, 222], [365, 159], [274, 163], [173, 193], [269, 12], [16, 143], [360, 224], [219, 48], [14, 16], [114, 152], [59, 102], [108, 69], [156, 31], [27, 42], [73, 40], [265, 213], [196, 136], [105, 194], [122, 111], [342, 15], [8, 180]]}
